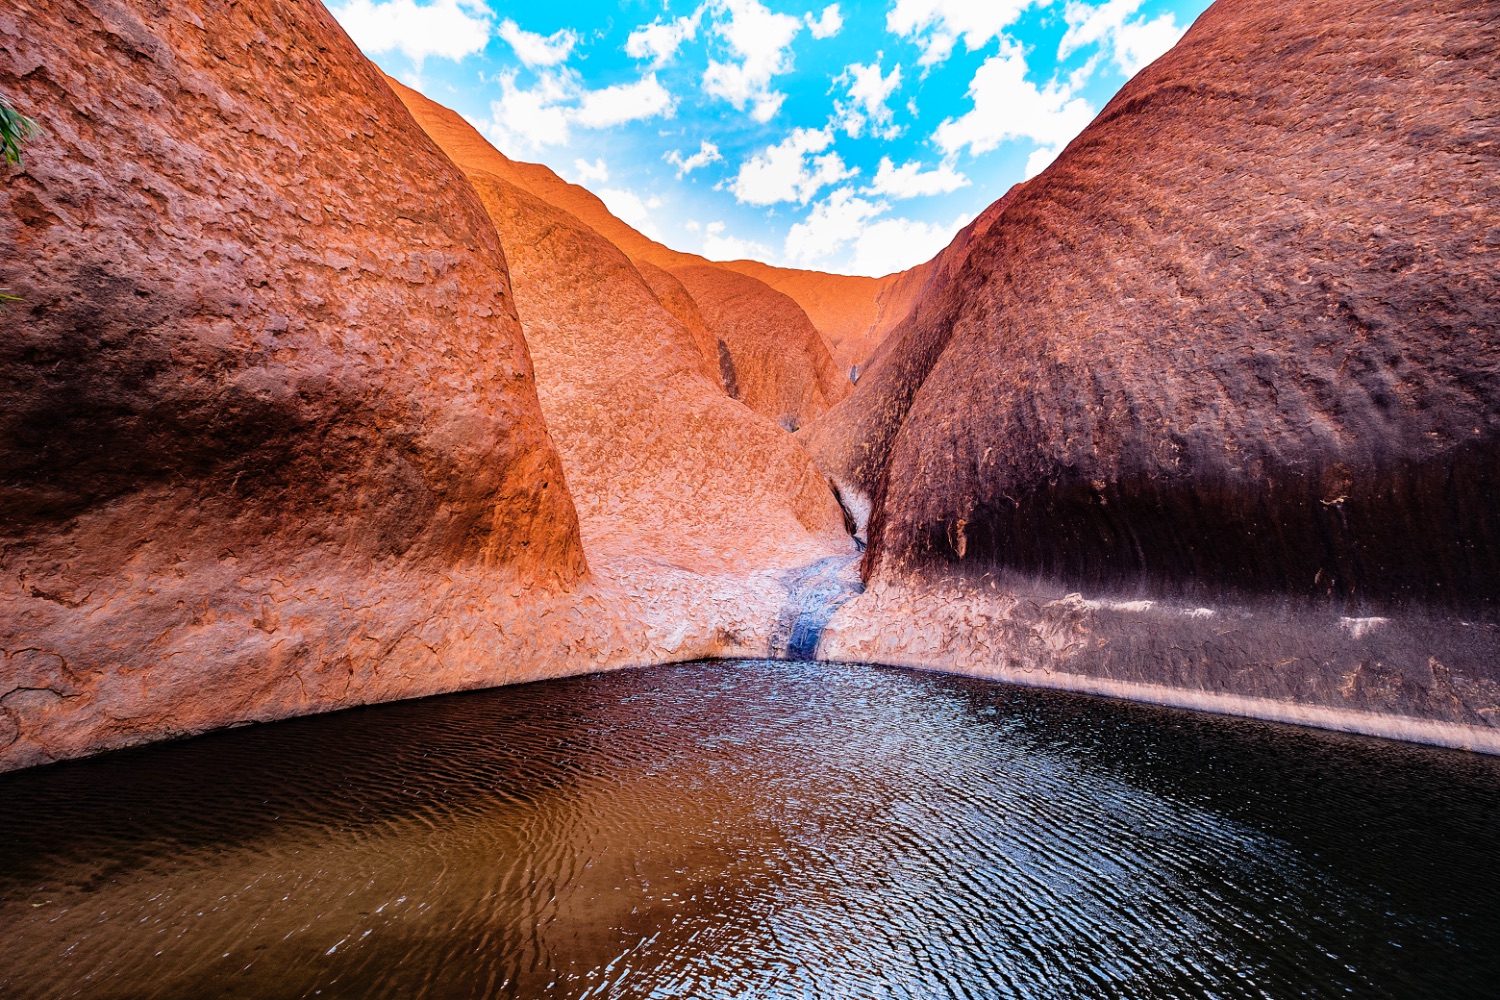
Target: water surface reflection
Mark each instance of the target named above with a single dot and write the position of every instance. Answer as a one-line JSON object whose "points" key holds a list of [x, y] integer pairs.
{"points": [[764, 830]]}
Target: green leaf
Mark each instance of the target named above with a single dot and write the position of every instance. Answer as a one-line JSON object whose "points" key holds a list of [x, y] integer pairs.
{"points": [[15, 128]]}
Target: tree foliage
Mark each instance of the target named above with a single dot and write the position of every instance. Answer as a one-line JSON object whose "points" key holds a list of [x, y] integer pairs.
{"points": [[15, 128]]}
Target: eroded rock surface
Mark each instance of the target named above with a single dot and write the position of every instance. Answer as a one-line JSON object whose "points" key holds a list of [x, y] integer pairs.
{"points": [[662, 463], [781, 364], [1206, 414], [852, 441], [267, 423], [1242, 337], [1209, 414]]}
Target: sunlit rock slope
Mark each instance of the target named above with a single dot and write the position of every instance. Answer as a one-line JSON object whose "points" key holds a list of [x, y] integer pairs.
{"points": [[663, 462]]}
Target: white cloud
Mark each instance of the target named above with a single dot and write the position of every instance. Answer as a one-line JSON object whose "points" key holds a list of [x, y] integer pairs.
{"points": [[585, 172], [935, 25], [544, 115], [1008, 106], [1089, 24], [538, 50], [794, 169], [891, 245], [707, 153], [828, 25], [760, 41], [660, 40], [910, 181], [524, 119], [868, 92], [451, 29], [1040, 159], [635, 212], [833, 223], [624, 102], [844, 233], [717, 246], [1133, 42], [1138, 44]]}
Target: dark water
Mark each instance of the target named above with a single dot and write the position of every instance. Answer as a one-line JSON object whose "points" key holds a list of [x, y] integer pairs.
{"points": [[756, 830]]}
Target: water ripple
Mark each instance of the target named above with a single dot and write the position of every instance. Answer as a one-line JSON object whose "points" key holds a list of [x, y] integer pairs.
{"points": [[757, 830]]}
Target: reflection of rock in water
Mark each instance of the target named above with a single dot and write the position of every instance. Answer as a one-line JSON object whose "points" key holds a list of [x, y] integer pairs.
{"points": [[817, 591], [658, 832]]}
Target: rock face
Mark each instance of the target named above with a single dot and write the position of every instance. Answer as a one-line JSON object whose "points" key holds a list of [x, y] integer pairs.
{"points": [[852, 442], [1242, 338], [660, 460], [854, 314], [273, 441], [263, 418], [1209, 414], [778, 361], [675, 299]]}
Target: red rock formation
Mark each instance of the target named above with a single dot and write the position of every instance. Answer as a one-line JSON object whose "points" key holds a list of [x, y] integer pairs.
{"points": [[268, 408], [778, 361], [662, 463], [852, 442], [1242, 336], [1228, 368], [852, 313], [675, 299]]}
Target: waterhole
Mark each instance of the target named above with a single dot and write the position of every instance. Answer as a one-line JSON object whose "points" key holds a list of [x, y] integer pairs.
{"points": [[755, 829]]}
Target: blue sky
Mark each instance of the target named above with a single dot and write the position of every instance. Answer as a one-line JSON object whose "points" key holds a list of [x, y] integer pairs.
{"points": [[855, 137]]}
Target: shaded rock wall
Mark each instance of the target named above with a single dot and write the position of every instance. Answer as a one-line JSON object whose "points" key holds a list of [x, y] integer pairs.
{"points": [[1209, 415], [852, 441], [1244, 336], [266, 422]]}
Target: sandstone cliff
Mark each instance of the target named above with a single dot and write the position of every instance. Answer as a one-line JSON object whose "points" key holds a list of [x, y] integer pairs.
{"points": [[271, 439], [1228, 368], [661, 461], [853, 314], [1206, 414], [778, 362]]}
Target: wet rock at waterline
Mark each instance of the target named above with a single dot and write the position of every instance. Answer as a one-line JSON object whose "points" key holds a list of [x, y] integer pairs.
{"points": [[1241, 338]]}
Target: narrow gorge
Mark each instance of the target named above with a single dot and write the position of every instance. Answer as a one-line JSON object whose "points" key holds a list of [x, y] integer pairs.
{"points": [[316, 399]]}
